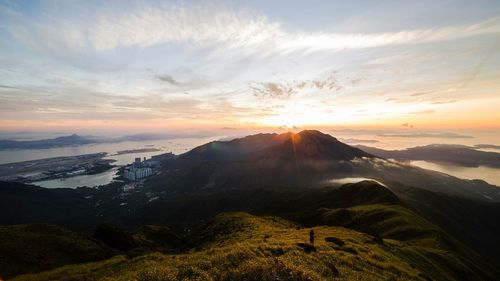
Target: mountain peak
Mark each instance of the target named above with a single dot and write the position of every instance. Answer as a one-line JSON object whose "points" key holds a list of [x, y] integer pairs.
{"points": [[317, 134], [72, 136], [275, 160], [297, 137], [312, 145], [307, 144], [312, 132]]}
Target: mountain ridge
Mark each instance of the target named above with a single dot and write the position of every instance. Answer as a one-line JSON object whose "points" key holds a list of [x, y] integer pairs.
{"points": [[285, 160], [69, 140], [460, 155]]}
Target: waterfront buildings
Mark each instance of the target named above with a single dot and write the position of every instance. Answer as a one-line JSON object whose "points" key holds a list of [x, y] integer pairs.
{"points": [[138, 170]]}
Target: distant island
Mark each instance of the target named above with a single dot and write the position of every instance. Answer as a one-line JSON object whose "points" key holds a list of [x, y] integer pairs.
{"points": [[70, 140], [75, 140], [139, 150], [487, 146], [460, 155]]}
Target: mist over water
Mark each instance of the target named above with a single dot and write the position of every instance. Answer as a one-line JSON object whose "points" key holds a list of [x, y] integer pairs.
{"points": [[342, 181], [78, 181], [391, 142], [490, 175]]}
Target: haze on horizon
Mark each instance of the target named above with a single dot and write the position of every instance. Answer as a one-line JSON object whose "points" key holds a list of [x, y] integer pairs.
{"points": [[178, 65]]}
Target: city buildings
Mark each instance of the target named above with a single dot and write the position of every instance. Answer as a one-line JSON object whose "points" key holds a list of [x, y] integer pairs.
{"points": [[138, 170]]}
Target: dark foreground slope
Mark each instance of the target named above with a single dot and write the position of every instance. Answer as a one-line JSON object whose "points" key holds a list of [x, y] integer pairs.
{"points": [[474, 223], [239, 246], [379, 239], [38, 247]]}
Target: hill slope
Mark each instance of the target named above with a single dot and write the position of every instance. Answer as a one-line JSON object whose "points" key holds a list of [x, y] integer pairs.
{"points": [[239, 246], [38, 247], [274, 161]]}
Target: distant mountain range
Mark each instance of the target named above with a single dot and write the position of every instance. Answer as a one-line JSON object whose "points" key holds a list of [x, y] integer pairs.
{"points": [[455, 154], [75, 140], [70, 140]]}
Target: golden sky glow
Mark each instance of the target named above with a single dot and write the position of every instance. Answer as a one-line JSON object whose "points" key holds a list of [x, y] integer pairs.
{"points": [[151, 65]]}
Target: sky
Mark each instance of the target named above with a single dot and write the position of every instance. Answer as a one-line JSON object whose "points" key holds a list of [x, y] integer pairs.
{"points": [[140, 66]]}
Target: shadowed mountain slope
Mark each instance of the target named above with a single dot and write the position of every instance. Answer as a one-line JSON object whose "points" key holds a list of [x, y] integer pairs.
{"points": [[308, 144], [264, 161], [38, 247], [289, 161]]}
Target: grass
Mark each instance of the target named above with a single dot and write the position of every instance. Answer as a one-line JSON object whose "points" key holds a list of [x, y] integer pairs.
{"points": [[37, 247], [362, 233], [239, 246]]}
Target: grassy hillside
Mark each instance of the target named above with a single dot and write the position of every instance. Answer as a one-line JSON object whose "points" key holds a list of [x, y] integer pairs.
{"points": [[187, 211], [365, 207], [473, 222], [37, 247], [239, 246], [429, 246]]}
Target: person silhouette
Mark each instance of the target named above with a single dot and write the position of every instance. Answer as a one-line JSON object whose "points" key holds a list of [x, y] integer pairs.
{"points": [[311, 237]]}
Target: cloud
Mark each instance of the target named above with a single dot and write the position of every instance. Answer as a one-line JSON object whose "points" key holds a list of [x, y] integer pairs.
{"points": [[480, 65], [418, 94], [194, 82], [168, 78], [283, 90], [8, 87], [427, 135], [329, 83], [136, 60], [443, 102], [427, 111], [378, 163], [284, 127], [93, 103], [144, 25], [272, 90], [353, 140]]}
